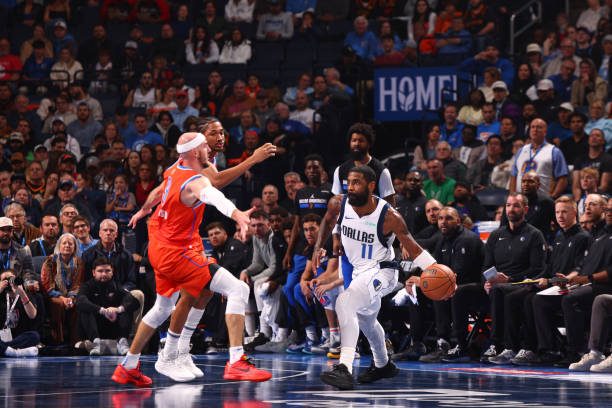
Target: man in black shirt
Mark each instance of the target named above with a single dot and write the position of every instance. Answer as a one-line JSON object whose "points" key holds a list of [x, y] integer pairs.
{"points": [[429, 236], [597, 158], [44, 245], [568, 251], [517, 251], [412, 204], [577, 145], [595, 212]]}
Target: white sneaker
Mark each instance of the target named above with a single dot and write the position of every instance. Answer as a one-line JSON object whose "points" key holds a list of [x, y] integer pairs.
{"points": [[503, 358], [587, 361], [22, 352], [123, 347], [603, 367], [173, 370], [95, 351], [186, 360]]}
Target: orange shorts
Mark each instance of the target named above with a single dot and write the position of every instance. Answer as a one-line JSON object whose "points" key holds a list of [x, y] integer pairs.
{"points": [[179, 268]]}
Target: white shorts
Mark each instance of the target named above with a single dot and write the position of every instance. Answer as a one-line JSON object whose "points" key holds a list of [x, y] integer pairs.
{"points": [[372, 286]]}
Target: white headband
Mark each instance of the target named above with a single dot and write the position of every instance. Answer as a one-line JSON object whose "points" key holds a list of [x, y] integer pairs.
{"points": [[192, 144]]}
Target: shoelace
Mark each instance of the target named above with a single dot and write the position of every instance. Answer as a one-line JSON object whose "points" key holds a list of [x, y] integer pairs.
{"points": [[491, 350], [248, 360], [453, 351], [522, 354]]}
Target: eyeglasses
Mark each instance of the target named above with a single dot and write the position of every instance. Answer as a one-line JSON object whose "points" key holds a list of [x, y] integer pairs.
{"points": [[79, 226]]}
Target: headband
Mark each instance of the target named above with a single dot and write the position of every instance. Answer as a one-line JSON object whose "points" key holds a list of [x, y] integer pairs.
{"points": [[190, 145]]}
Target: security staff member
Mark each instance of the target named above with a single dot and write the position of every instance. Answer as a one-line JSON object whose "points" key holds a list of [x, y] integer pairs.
{"points": [[568, 251], [576, 305]]}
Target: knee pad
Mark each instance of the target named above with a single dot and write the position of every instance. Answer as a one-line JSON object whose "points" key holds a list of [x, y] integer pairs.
{"points": [[237, 299], [160, 311]]}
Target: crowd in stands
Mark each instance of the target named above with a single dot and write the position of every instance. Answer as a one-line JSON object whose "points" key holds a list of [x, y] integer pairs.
{"points": [[94, 95]]}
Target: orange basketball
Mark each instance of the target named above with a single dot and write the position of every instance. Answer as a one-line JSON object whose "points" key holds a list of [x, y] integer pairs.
{"points": [[438, 282]]}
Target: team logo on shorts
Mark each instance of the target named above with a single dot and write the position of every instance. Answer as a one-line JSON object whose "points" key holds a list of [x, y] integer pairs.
{"points": [[377, 284]]}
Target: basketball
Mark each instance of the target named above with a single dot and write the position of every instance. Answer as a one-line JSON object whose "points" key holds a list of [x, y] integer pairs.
{"points": [[438, 282]]}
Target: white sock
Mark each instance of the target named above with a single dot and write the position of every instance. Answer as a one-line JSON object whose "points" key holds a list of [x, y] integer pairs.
{"points": [[334, 335], [282, 334], [193, 319], [265, 328], [171, 347], [131, 360], [325, 333], [235, 353], [347, 356], [249, 324], [311, 333]]}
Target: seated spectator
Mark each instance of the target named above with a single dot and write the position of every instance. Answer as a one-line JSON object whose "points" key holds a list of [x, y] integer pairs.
{"points": [[276, 24], [103, 74], [215, 24], [43, 246], [253, 86], [145, 95], [182, 23], [166, 128], [24, 320], [452, 168], [457, 40], [423, 18], [63, 113], [78, 93], [504, 107], [237, 50], [489, 58], [38, 34], [242, 151], [479, 175], [82, 231], [142, 135], [553, 66], [37, 67], [591, 16], [524, 88], [61, 276], [489, 126], [145, 183], [263, 111], [62, 38], [169, 46], [362, 41], [437, 185], [105, 309], [330, 12], [472, 149], [480, 21], [430, 235], [389, 56], [598, 120], [534, 59], [292, 127], [490, 76], [560, 130], [471, 114], [166, 104], [150, 11], [564, 80], [23, 232], [303, 113], [85, 128], [120, 203], [269, 197], [450, 131], [334, 85], [66, 70], [589, 86], [57, 9], [237, 102], [90, 48], [467, 204], [602, 58], [588, 184], [248, 121], [577, 144], [595, 158], [33, 210], [28, 13], [239, 11], [66, 194], [117, 11], [201, 49], [427, 150], [584, 48], [303, 84], [183, 110]]}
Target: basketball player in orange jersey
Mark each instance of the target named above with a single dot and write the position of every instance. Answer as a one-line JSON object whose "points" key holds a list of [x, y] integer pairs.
{"points": [[176, 254]]}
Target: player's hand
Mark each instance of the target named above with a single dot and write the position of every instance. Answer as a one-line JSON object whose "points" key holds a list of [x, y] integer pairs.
{"points": [[306, 290], [320, 290], [245, 278], [317, 255], [243, 219], [263, 152], [287, 261], [412, 281], [137, 217]]}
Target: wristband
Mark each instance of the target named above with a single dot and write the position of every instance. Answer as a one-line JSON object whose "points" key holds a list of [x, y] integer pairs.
{"points": [[212, 196], [424, 260]]}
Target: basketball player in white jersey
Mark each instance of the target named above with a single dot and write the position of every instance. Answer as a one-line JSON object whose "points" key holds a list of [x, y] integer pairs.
{"points": [[367, 226]]}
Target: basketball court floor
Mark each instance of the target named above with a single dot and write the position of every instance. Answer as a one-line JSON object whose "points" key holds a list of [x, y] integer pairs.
{"points": [[85, 383]]}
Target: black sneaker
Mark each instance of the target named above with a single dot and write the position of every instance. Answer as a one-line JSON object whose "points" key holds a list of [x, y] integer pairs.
{"points": [[525, 358], [489, 353], [339, 377], [257, 341], [436, 355], [374, 374], [549, 358], [565, 362], [412, 353], [456, 355]]}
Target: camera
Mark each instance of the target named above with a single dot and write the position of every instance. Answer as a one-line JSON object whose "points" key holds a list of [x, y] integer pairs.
{"points": [[15, 280]]}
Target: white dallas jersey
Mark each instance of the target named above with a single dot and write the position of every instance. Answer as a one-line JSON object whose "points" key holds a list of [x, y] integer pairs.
{"points": [[362, 238]]}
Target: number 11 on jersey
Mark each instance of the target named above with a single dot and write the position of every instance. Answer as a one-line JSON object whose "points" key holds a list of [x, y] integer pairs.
{"points": [[366, 251]]}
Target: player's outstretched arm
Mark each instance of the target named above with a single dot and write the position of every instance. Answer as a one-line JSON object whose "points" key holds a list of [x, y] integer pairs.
{"points": [[327, 226], [220, 179], [394, 223], [152, 200]]}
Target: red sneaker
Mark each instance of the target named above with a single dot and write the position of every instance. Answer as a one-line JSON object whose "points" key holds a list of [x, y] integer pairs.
{"points": [[124, 376], [245, 370]]}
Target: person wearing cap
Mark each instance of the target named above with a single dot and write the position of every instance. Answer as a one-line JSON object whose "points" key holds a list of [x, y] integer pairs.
{"points": [[559, 130], [562, 82], [130, 64], [504, 107], [67, 194], [553, 66], [41, 155], [78, 93], [577, 144], [545, 159], [589, 86], [534, 58], [547, 103], [275, 24], [489, 58], [584, 48], [13, 255], [85, 128], [37, 67], [183, 109], [63, 112], [18, 162]]}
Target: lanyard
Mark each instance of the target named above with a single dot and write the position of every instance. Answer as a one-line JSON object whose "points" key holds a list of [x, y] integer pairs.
{"points": [[42, 247], [9, 309], [6, 263]]}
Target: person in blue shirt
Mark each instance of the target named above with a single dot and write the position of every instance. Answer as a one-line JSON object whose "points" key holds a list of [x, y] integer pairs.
{"points": [[450, 131], [489, 58], [141, 135], [489, 126], [183, 109], [457, 40], [62, 38], [37, 66], [362, 41], [559, 130], [562, 82]]}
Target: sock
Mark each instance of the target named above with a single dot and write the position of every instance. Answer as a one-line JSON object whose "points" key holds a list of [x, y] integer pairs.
{"points": [[311, 333], [347, 355], [171, 347], [282, 334], [334, 335], [249, 324], [193, 319], [131, 360], [235, 354], [325, 333], [265, 328], [274, 327]]}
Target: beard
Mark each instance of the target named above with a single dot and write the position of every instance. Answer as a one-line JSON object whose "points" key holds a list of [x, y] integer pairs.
{"points": [[358, 155], [5, 240], [357, 200]]}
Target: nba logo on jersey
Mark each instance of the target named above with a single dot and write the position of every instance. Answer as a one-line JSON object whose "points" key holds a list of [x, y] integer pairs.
{"points": [[377, 284]]}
